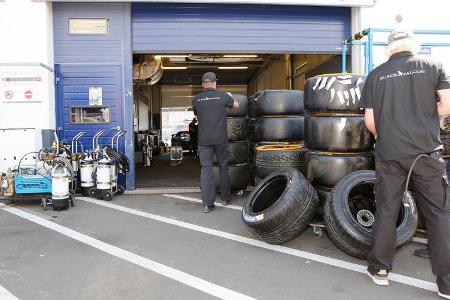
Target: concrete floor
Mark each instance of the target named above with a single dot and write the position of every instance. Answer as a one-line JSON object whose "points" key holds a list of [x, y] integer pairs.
{"points": [[162, 174], [40, 263]]}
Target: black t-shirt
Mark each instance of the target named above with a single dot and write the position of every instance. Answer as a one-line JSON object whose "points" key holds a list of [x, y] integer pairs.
{"points": [[210, 108], [402, 93]]}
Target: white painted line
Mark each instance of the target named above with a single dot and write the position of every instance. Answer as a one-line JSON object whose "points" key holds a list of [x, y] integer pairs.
{"points": [[187, 279], [5, 294], [426, 285], [200, 201], [168, 190]]}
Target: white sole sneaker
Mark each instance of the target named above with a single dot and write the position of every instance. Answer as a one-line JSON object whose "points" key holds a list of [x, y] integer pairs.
{"points": [[377, 281], [444, 296]]}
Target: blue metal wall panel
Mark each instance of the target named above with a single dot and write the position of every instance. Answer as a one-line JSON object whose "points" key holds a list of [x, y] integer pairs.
{"points": [[95, 60], [75, 82], [238, 28], [88, 48]]}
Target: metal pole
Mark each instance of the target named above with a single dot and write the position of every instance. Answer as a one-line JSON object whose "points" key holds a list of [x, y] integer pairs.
{"points": [[366, 58], [344, 57], [370, 46]]}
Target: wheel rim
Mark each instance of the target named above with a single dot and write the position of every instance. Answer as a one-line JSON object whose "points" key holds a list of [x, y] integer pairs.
{"points": [[361, 206]]}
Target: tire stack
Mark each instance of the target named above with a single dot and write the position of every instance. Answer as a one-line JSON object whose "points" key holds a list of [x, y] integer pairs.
{"points": [[277, 131], [237, 127], [335, 134]]}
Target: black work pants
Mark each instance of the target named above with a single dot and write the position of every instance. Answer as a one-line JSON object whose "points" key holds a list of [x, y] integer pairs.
{"points": [[207, 180], [194, 146], [431, 195]]}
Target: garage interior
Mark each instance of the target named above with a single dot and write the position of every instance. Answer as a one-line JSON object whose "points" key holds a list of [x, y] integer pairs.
{"points": [[163, 87]]}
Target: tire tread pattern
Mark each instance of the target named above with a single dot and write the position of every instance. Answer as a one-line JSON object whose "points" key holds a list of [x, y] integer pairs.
{"points": [[290, 215]]}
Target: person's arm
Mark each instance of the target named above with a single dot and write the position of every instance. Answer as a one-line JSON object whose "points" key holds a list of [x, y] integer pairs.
{"points": [[369, 120], [443, 91], [443, 105], [230, 102], [367, 103]]}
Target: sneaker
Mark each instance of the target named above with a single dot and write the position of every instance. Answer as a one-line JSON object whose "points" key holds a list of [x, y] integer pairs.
{"points": [[379, 279], [443, 295], [207, 209], [424, 253]]}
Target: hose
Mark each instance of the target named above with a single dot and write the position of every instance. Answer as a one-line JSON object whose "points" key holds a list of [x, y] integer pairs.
{"points": [[407, 198], [20, 162], [123, 162]]}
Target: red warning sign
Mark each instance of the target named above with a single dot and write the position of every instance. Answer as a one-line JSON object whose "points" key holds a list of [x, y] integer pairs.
{"points": [[9, 95], [28, 94]]}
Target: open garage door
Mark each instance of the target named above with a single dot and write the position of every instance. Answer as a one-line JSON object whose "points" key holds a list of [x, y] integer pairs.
{"points": [[169, 28]]}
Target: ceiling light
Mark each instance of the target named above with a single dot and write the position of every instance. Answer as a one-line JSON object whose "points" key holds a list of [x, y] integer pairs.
{"points": [[172, 56], [174, 68], [240, 55], [233, 68]]}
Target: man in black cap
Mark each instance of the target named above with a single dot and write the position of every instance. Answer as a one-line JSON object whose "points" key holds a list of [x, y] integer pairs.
{"points": [[210, 108], [404, 99]]}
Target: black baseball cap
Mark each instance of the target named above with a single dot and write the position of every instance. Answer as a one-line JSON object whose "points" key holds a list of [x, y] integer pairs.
{"points": [[209, 77]]}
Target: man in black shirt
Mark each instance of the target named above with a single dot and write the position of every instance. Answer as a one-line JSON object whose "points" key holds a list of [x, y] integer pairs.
{"points": [[403, 100], [210, 108]]}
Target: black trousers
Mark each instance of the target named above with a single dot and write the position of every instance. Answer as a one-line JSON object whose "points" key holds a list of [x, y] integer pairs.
{"points": [[431, 195], [194, 146], [206, 178]]}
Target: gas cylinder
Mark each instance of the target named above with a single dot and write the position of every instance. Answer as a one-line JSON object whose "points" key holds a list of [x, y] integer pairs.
{"points": [[75, 161], [60, 187], [9, 183], [86, 174], [113, 173], [104, 174]]}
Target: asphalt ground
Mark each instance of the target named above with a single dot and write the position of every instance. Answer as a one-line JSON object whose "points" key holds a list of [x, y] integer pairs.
{"points": [[160, 247], [162, 174]]}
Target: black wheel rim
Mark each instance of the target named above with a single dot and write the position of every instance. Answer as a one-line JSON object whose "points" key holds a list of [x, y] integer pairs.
{"points": [[361, 206]]}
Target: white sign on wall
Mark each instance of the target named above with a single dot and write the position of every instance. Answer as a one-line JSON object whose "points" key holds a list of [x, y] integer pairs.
{"points": [[20, 88], [95, 95], [26, 96]]}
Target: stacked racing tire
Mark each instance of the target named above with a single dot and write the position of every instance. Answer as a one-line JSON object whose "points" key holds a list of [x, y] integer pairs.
{"points": [[280, 207], [350, 215], [277, 126], [335, 133], [340, 163], [237, 128]]}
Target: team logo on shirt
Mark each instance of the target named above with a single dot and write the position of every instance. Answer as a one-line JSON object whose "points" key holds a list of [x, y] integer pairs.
{"points": [[208, 98], [402, 74]]}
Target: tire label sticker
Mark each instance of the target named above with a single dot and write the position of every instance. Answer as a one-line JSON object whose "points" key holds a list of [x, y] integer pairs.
{"points": [[248, 218]]}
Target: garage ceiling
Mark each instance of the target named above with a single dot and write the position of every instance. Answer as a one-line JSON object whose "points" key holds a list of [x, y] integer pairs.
{"points": [[197, 64]]}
